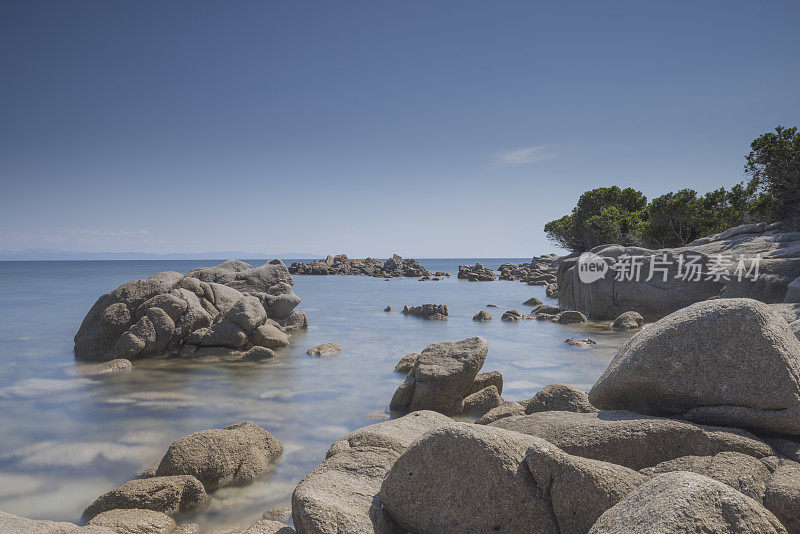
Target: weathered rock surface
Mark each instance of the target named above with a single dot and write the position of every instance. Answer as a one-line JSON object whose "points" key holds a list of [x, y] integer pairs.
{"points": [[442, 376], [427, 311], [167, 494], [13, 524], [506, 409], [681, 502], [476, 273], [484, 380], [341, 495], [342, 265], [628, 321], [562, 398], [471, 478], [222, 306], [406, 363], [326, 349], [632, 440], [657, 297], [482, 401], [725, 361], [135, 521], [533, 301], [236, 454], [482, 315], [569, 317], [746, 474], [782, 495]]}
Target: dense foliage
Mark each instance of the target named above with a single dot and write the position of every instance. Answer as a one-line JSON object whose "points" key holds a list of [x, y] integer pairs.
{"points": [[612, 215]]}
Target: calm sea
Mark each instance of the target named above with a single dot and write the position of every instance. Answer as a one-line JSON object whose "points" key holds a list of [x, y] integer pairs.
{"points": [[66, 440]]}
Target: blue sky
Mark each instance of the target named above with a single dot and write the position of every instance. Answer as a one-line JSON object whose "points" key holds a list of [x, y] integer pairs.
{"points": [[431, 129]]}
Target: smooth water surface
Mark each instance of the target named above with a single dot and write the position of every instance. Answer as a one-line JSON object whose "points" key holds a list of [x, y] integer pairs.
{"points": [[66, 440]]}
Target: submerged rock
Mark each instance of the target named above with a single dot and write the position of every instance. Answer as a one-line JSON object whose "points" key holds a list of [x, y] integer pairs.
{"points": [[580, 343], [116, 367], [569, 317], [236, 454], [726, 361], [326, 349], [628, 320], [511, 316], [482, 315], [167, 494]]}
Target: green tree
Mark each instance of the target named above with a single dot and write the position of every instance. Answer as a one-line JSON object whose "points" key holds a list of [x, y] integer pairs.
{"points": [[603, 215], [774, 168]]}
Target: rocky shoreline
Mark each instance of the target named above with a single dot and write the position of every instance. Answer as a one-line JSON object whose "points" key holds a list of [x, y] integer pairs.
{"points": [[693, 426]]}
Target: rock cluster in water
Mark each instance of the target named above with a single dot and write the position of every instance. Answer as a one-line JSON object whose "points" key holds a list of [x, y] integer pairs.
{"points": [[394, 267], [230, 307], [427, 311], [476, 273], [636, 454]]}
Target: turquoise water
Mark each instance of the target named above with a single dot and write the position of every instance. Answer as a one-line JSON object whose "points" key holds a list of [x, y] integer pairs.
{"points": [[66, 440]]}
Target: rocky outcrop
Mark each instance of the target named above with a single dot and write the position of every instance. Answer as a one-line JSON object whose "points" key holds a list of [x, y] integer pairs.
{"points": [[476, 273], [686, 502], [427, 311], [633, 440], [470, 478], [167, 494], [224, 307], [580, 343], [540, 271], [443, 374], [342, 265], [342, 494], [666, 283], [506, 409], [733, 362], [236, 454]]}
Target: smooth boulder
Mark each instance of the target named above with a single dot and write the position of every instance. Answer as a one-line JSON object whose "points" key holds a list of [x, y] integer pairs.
{"points": [[236, 454], [560, 397], [167, 494], [680, 502], [729, 361]]}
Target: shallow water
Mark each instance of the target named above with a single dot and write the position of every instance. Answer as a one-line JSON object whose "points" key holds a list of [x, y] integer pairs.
{"points": [[66, 440]]}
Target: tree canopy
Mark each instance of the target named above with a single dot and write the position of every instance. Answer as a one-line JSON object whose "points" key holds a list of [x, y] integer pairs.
{"points": [[608, 215]]}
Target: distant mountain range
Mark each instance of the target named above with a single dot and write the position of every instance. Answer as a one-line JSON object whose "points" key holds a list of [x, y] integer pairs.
{"points": [[52, 254]]}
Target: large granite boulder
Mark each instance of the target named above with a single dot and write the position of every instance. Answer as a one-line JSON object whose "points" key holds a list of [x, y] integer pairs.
{"points": [[442, 376], [680, 502], [341, 495], [663, 287], [471, 478], [236, 454], [135, 521], [733, 362], [167, 494], [633, 440], [226, 306]]}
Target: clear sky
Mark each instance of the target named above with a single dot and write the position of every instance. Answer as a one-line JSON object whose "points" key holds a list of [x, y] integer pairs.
{"points": [[431, 129]]}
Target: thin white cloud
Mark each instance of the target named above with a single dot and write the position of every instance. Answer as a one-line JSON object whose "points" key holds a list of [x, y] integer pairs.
{"points": [[523, 156]]}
